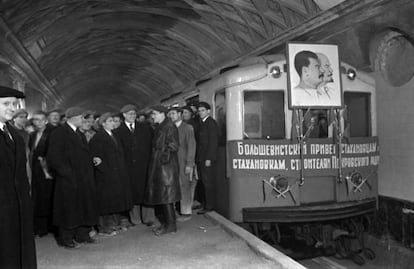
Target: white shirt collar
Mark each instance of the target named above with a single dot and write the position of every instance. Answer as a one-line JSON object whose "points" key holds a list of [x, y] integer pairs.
{"points": [[72, 126], [178, 123], [128, 124], [204, 120], [108, 132], [2, 124]]}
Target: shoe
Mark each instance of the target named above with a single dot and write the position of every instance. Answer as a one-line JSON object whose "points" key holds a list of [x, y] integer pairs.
{"points": [[122, 229], [203, 211], [195, 207], [88, 240], [157, 229], [149, 223], [108, 233], [69, 244], [166, 230], [184, 217], [93, 233]]}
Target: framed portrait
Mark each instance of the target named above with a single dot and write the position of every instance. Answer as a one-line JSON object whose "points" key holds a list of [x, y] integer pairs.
{"points": [[314, 79]]}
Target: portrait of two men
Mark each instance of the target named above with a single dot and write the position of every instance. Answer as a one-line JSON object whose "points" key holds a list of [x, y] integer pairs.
{"points": [[314, 76]]}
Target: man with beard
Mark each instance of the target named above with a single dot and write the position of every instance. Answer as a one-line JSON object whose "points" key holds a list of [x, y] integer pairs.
{"points": [[75, 202], [327, 75], [17, 246], [135, 139]]}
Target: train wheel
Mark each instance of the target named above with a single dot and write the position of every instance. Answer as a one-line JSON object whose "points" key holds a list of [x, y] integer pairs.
{"points": [[369, 254], [358, 259]]}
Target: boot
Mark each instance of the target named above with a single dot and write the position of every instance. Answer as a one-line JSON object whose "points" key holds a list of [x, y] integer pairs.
{"points": [[159, 214], [170, 221]]}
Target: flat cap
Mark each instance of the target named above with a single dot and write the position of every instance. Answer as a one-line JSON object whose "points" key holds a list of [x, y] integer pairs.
{"points": [[73, 112], [160, 108], [104, 117], [9, 92], [175, 108], [127, 108], [204, 104], [19, 112], [57, 110]]}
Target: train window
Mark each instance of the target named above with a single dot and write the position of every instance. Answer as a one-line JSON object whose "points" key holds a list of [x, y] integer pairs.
{"points": [[357, 117], [220, 115], [264, 115], [315, 123]]}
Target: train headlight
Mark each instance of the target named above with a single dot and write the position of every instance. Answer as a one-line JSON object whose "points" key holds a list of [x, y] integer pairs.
{"points": [[351, 73], [275, 71]]}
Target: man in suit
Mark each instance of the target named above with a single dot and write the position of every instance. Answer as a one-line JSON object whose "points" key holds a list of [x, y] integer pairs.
{"points": [[42, 181], [17, 246], [207, 146], [186, 161], [71, 163], [135, 139]]}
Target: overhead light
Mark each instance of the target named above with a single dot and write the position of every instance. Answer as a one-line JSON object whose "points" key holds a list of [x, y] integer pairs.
{"points": [[351, 73], [275, 71]]}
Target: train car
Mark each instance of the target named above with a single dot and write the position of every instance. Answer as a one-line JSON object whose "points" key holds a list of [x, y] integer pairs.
{"points": [[268, 174]]}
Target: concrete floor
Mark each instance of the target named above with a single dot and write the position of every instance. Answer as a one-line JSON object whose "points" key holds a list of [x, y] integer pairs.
{"points": [[198, 244]]}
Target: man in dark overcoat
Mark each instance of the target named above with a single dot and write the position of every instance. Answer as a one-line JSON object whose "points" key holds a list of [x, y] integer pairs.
{"points": [[206, 155], [42, 181], [17, 246], [163, 188], [136, 140], [71, 163], [112, 180]]}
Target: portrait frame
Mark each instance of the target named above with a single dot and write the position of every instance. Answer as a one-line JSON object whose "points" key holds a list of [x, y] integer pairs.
{"points": [[309, 91]]}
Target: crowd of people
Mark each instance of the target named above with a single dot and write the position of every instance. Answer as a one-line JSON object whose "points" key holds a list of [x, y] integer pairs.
{"points": [[89, 174]]}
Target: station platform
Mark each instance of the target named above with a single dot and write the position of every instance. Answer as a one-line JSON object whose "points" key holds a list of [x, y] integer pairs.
{"points": [[205, 241]]}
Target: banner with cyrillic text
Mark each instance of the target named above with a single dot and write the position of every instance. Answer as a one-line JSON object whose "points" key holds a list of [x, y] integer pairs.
{"points": [[320, 156]]}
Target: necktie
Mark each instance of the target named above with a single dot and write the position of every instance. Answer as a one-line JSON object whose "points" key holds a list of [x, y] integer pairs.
{"points": [[132, 127]]}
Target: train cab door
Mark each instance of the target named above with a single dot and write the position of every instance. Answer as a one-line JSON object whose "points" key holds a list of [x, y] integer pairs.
{"points": [[222, 180], [359, 181]]}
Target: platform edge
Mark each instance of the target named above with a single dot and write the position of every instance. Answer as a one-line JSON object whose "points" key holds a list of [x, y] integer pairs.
{"points": [[256, 244]]}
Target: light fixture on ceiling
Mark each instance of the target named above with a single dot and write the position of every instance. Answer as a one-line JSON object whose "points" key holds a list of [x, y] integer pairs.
{"points": [[275, 71], [351, 73]]}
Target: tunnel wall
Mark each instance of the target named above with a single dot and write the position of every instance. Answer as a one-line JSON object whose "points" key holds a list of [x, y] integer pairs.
{"points": [[396, 129]]}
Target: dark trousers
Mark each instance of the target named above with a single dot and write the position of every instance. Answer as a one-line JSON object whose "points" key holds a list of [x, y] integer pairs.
{"points": [[166, 215], [42, 225], [80, 234], [207, 177]]}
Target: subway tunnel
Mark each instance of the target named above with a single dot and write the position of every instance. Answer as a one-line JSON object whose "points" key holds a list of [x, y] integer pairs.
{"points": [[102, 54]]}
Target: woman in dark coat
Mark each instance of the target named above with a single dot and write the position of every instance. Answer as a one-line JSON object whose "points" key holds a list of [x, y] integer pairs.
{"points": [[112, 180], [163, 188], [17, 246]]}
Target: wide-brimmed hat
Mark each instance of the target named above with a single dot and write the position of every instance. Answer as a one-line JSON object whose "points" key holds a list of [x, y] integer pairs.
{"points": [[9, 92]]}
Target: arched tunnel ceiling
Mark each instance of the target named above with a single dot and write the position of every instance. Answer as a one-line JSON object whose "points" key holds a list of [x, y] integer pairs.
{"points": [[102, 54]]}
